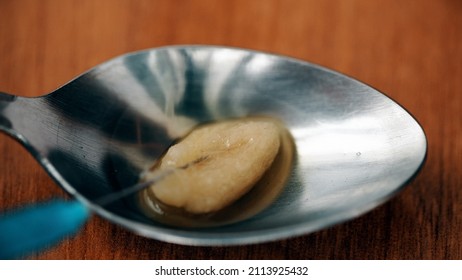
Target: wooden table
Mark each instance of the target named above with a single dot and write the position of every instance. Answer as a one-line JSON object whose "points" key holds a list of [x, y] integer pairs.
{"points": [[411, 50]]}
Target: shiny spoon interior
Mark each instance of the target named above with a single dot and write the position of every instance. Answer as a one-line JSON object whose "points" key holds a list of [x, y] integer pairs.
{"points": [[355, 147]]}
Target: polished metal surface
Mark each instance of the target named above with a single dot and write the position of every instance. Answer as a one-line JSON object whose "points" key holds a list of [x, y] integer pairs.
{"points": [[354, 146]]}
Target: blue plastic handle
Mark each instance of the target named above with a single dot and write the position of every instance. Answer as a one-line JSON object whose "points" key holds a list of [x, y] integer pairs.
{"points": [[39, 226]]}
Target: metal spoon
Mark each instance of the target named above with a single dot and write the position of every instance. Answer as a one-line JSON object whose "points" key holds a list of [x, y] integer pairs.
{"points": [[355, 147]]}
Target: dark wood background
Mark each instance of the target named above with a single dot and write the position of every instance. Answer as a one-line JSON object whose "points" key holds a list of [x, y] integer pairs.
{"points": [[409, 49]]}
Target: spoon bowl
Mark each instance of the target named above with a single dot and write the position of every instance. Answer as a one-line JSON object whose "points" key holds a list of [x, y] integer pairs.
{"points": [[355, 147]]}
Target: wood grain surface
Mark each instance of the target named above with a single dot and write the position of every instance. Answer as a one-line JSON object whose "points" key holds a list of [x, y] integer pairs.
{"points": [[409, 49]]}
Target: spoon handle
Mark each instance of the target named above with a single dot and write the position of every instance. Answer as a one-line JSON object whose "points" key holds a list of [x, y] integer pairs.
{"points": [[5, 100], [29, 120], [4, 97]]}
